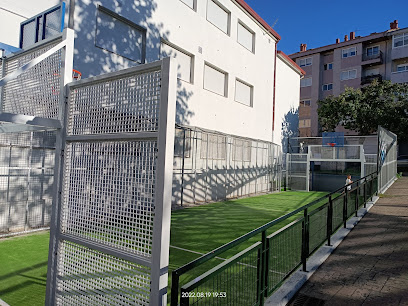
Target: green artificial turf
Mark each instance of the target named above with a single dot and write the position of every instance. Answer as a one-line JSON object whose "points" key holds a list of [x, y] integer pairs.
{"points": [[23, 269], [23, 260]]}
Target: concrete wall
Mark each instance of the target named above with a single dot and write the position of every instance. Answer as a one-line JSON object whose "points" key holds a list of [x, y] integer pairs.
{"points": [[287, 101], [188, 29], [12, 13]]}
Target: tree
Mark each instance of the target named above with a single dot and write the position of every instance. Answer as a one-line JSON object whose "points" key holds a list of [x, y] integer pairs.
{"points": [[363, 109]]}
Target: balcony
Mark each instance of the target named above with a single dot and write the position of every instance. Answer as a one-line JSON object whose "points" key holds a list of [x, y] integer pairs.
{"points": [[368, 79], [372, 59]]}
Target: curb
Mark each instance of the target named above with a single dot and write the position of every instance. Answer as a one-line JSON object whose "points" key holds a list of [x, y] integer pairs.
{"points": [[2, 303], [292, 285]]}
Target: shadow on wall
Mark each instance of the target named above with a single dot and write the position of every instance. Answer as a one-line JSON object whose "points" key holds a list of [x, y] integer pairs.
{"points": [[114, 35], [290, 128]]}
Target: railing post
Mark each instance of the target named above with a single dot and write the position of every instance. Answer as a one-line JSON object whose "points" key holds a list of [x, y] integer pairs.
{"points": [[329, 220], [174, 288], [263, 266], [365, 193], [345, 203], [184, 298], [266, 270], [305, 239], [357, 197], [259, 280]]}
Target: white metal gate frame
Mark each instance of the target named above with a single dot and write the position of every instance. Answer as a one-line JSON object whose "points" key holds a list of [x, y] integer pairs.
{"points": [[387, 158], [110, 249]]}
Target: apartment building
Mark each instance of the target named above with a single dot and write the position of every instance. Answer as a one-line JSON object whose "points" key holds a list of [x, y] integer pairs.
{"points": [[354, 62]]}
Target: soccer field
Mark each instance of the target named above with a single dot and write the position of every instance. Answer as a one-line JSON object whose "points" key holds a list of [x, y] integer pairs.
{"points": [[194, 231]]}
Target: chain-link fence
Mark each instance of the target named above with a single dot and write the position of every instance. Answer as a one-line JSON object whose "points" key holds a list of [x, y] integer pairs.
{"points": [[211, 166]]}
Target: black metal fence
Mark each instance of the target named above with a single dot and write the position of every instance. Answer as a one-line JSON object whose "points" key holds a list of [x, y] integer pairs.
{"points": [[250, 275]]}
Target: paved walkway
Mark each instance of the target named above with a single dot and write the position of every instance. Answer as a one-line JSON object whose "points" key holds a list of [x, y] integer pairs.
{"points": [[370, 267]]}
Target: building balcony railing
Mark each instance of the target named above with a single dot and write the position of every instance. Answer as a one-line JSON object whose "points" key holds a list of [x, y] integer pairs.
{"points": [[368, 79], [372, 59]]}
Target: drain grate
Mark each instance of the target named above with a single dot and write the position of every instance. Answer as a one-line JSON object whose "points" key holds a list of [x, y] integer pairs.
{"points": [[305, 300]]}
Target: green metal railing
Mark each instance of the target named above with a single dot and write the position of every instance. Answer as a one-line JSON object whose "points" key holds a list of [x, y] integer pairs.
{"points": [[253, 274]]}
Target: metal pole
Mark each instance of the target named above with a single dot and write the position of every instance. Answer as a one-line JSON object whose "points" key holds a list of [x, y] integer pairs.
{"points": [[345, 203], [174, 288], [182, 167], [357, 197], [305, 239], [329, 221]]}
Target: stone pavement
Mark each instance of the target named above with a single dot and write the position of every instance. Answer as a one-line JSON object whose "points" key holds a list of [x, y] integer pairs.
{"points": [[370, 266]]}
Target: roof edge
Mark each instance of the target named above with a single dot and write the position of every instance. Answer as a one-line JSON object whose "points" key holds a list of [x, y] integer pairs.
{"points": [[338, 45], [291, 63], [258, 18]]}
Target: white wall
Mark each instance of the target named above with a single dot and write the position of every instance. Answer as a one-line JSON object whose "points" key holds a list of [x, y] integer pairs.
{"points": [[287, 96], [13, 12], [175, 22]]}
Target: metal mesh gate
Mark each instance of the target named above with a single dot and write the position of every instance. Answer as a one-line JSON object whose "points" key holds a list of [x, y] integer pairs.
{"points": [[211, 166], [30, 96], [387, 158], [297, 171], [110, 244]]}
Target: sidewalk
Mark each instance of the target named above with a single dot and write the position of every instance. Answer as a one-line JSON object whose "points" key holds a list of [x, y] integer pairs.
{"points": [[370, 267]]}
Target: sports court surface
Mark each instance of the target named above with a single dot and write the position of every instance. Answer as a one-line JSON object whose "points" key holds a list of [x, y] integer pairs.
{"points": [[194, 231]]}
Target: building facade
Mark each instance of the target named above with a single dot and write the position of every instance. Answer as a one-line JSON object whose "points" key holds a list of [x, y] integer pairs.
{"points": [[233, 91], [355, 62]]}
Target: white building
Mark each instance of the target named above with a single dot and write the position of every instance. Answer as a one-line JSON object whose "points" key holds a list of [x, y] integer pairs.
{"points": [[226, 55]]}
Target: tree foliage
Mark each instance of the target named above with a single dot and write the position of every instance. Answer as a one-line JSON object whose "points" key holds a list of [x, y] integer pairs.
{"points": [[363, 109]]}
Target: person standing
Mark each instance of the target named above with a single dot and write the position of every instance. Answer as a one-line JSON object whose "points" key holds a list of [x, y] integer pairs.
{"points": [[348, 181]]}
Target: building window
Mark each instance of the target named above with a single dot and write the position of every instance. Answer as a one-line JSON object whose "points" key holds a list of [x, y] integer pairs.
{"points": [[215, 80], [328, 66], [372, 71], [349, 52], [183, 59], [218, 16], [305, 103], [246, 37], [373, 51], [213, 146], [244, 92], [305, 62], [304, 123], [190, 3], [327, 86], [306, 82], [402, 67], [120, 36], [242, 150], [400, 40], [348, 75]]}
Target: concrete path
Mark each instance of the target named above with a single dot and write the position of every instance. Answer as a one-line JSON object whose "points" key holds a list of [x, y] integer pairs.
{"points": [[370, 267]]}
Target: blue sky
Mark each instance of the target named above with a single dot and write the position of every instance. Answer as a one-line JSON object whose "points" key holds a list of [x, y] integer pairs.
{"points": [[318, 23]]}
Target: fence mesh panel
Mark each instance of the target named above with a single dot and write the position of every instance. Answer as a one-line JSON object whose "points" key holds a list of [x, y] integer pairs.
{"points": [[26, 180], [95, 109], [36, 92], [317, 228], [387, 158], [285, 249], [89, 277], [109, 195], [210, 166], [236, 284], [338, 204]]}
